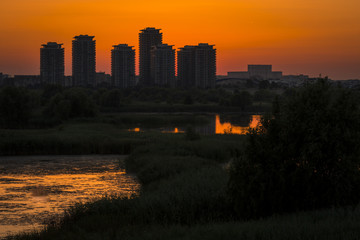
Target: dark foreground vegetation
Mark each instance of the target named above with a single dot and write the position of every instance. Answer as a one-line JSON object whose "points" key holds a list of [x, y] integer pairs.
{"points": [[296, 177]]}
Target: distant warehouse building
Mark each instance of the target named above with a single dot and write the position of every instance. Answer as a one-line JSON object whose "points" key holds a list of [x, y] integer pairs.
{"points": [[258, 72]]}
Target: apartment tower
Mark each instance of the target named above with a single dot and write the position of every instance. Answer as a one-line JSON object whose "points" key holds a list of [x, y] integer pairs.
{"points": [[197, 66], [186, 67], [123, 66], [148, 38], [84, 61], [52, 64], [162, 64]]}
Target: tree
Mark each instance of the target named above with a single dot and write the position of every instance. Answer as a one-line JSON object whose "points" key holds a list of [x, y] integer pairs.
{"points": [[15, 107], [111, 98], [188, 100], [264, 84], [71, 103], [305, 156], [241, 99]]}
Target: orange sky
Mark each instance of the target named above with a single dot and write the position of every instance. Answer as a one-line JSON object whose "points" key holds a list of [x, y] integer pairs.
{"points": [[295, 36]]}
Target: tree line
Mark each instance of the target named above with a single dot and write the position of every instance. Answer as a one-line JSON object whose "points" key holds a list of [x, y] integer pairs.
{"points": [[22, 108]]}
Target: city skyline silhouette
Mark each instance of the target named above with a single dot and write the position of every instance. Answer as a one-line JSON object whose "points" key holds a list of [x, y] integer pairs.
{"points": [[307, 37]]}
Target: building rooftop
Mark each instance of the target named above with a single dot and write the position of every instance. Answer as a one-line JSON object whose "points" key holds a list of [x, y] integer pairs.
{"points": [[163, 46], [205, 45], [150, 29], [52, 45], [84, 37], [122, 46]]}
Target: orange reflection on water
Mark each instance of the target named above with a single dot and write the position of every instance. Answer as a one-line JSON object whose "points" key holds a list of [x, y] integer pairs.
{"points": [[228, 128], [176, 130], [134, 130], [33, 190]]}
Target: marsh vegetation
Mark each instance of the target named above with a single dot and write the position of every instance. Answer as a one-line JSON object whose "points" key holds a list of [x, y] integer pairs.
{"points": [[295, 176]]}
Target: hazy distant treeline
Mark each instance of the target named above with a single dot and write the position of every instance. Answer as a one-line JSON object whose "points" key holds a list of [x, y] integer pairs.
{"points": [[37, 108]]}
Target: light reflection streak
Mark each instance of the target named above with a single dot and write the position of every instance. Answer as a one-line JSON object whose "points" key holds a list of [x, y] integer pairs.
{"points": [[229, 128], [35, 191]]}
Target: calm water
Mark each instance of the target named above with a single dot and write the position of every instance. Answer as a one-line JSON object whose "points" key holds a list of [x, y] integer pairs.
{"points": [[35, 190], [219, 124]]}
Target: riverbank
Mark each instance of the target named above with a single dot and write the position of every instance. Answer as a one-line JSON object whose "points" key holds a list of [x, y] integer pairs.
{"points": [[109, 133], [183, 196], [36, 190]]}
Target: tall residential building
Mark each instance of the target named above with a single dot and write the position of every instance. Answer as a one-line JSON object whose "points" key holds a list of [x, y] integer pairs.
{"points": [[163, 65], [123, 66], [52, 63], [148, 38], [84, 61], [197, 66], [186, 67]]}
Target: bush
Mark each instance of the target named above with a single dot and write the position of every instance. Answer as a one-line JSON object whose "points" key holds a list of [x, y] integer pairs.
{"points": [[191, 134], [306, 156], [242, 100], [15, 107], [71, 103]]}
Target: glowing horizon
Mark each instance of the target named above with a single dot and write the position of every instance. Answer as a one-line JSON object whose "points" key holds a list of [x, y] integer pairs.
{"points": [[296, 37]]}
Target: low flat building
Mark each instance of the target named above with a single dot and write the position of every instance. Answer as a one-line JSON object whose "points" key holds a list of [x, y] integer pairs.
{"points": [[103, 79], [28, 81], [257, 72]]}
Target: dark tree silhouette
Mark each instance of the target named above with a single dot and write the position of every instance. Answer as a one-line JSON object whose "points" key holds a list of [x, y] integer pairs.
{"points": [[305, 156], [15, 107]]}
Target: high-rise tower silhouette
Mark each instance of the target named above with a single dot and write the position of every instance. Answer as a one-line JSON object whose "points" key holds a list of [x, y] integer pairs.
{"points": [[186, 67], [84, 61], [148, 38], [163, 65], [123, 66], [197, 66], [52, 63]]}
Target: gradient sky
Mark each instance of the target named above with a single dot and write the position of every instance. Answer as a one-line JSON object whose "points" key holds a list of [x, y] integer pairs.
{"points": [[295, 36]]}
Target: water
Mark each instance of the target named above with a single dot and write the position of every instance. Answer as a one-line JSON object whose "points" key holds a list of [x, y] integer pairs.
{"points": [[219, 124], [36, 190]]}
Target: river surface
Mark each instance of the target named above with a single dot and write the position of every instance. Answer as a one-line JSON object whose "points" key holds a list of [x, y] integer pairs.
{"points": [[36, 190], [218, 124]]}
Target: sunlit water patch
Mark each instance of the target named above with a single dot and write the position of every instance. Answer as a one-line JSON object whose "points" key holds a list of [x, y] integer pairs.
{"points": [[36, 190], [217, 125]]}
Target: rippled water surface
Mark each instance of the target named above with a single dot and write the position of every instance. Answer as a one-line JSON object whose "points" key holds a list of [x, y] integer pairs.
{"points": [[35, 190]]}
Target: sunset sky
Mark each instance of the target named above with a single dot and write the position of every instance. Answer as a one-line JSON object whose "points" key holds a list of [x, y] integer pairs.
{"points": [[295, 36]]}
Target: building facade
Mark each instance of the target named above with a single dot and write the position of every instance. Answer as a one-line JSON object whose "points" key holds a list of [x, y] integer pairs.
{"points": [[148, 38], [257, 72], [28, 81], [186, 67], [84, 61], [52, 65], [123, 66], [162, 63], [197, 66]]}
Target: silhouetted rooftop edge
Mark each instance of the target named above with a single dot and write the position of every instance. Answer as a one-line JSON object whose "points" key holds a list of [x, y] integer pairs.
{"points": [[84, 36]]}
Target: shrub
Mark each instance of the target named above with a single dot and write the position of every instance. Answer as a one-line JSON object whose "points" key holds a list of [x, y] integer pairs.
{"points": [[306, 156], [15, 108]]}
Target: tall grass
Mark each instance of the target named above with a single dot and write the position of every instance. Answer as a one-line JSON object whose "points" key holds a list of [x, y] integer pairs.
{"points": [[183, 196], [91, 138]]}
